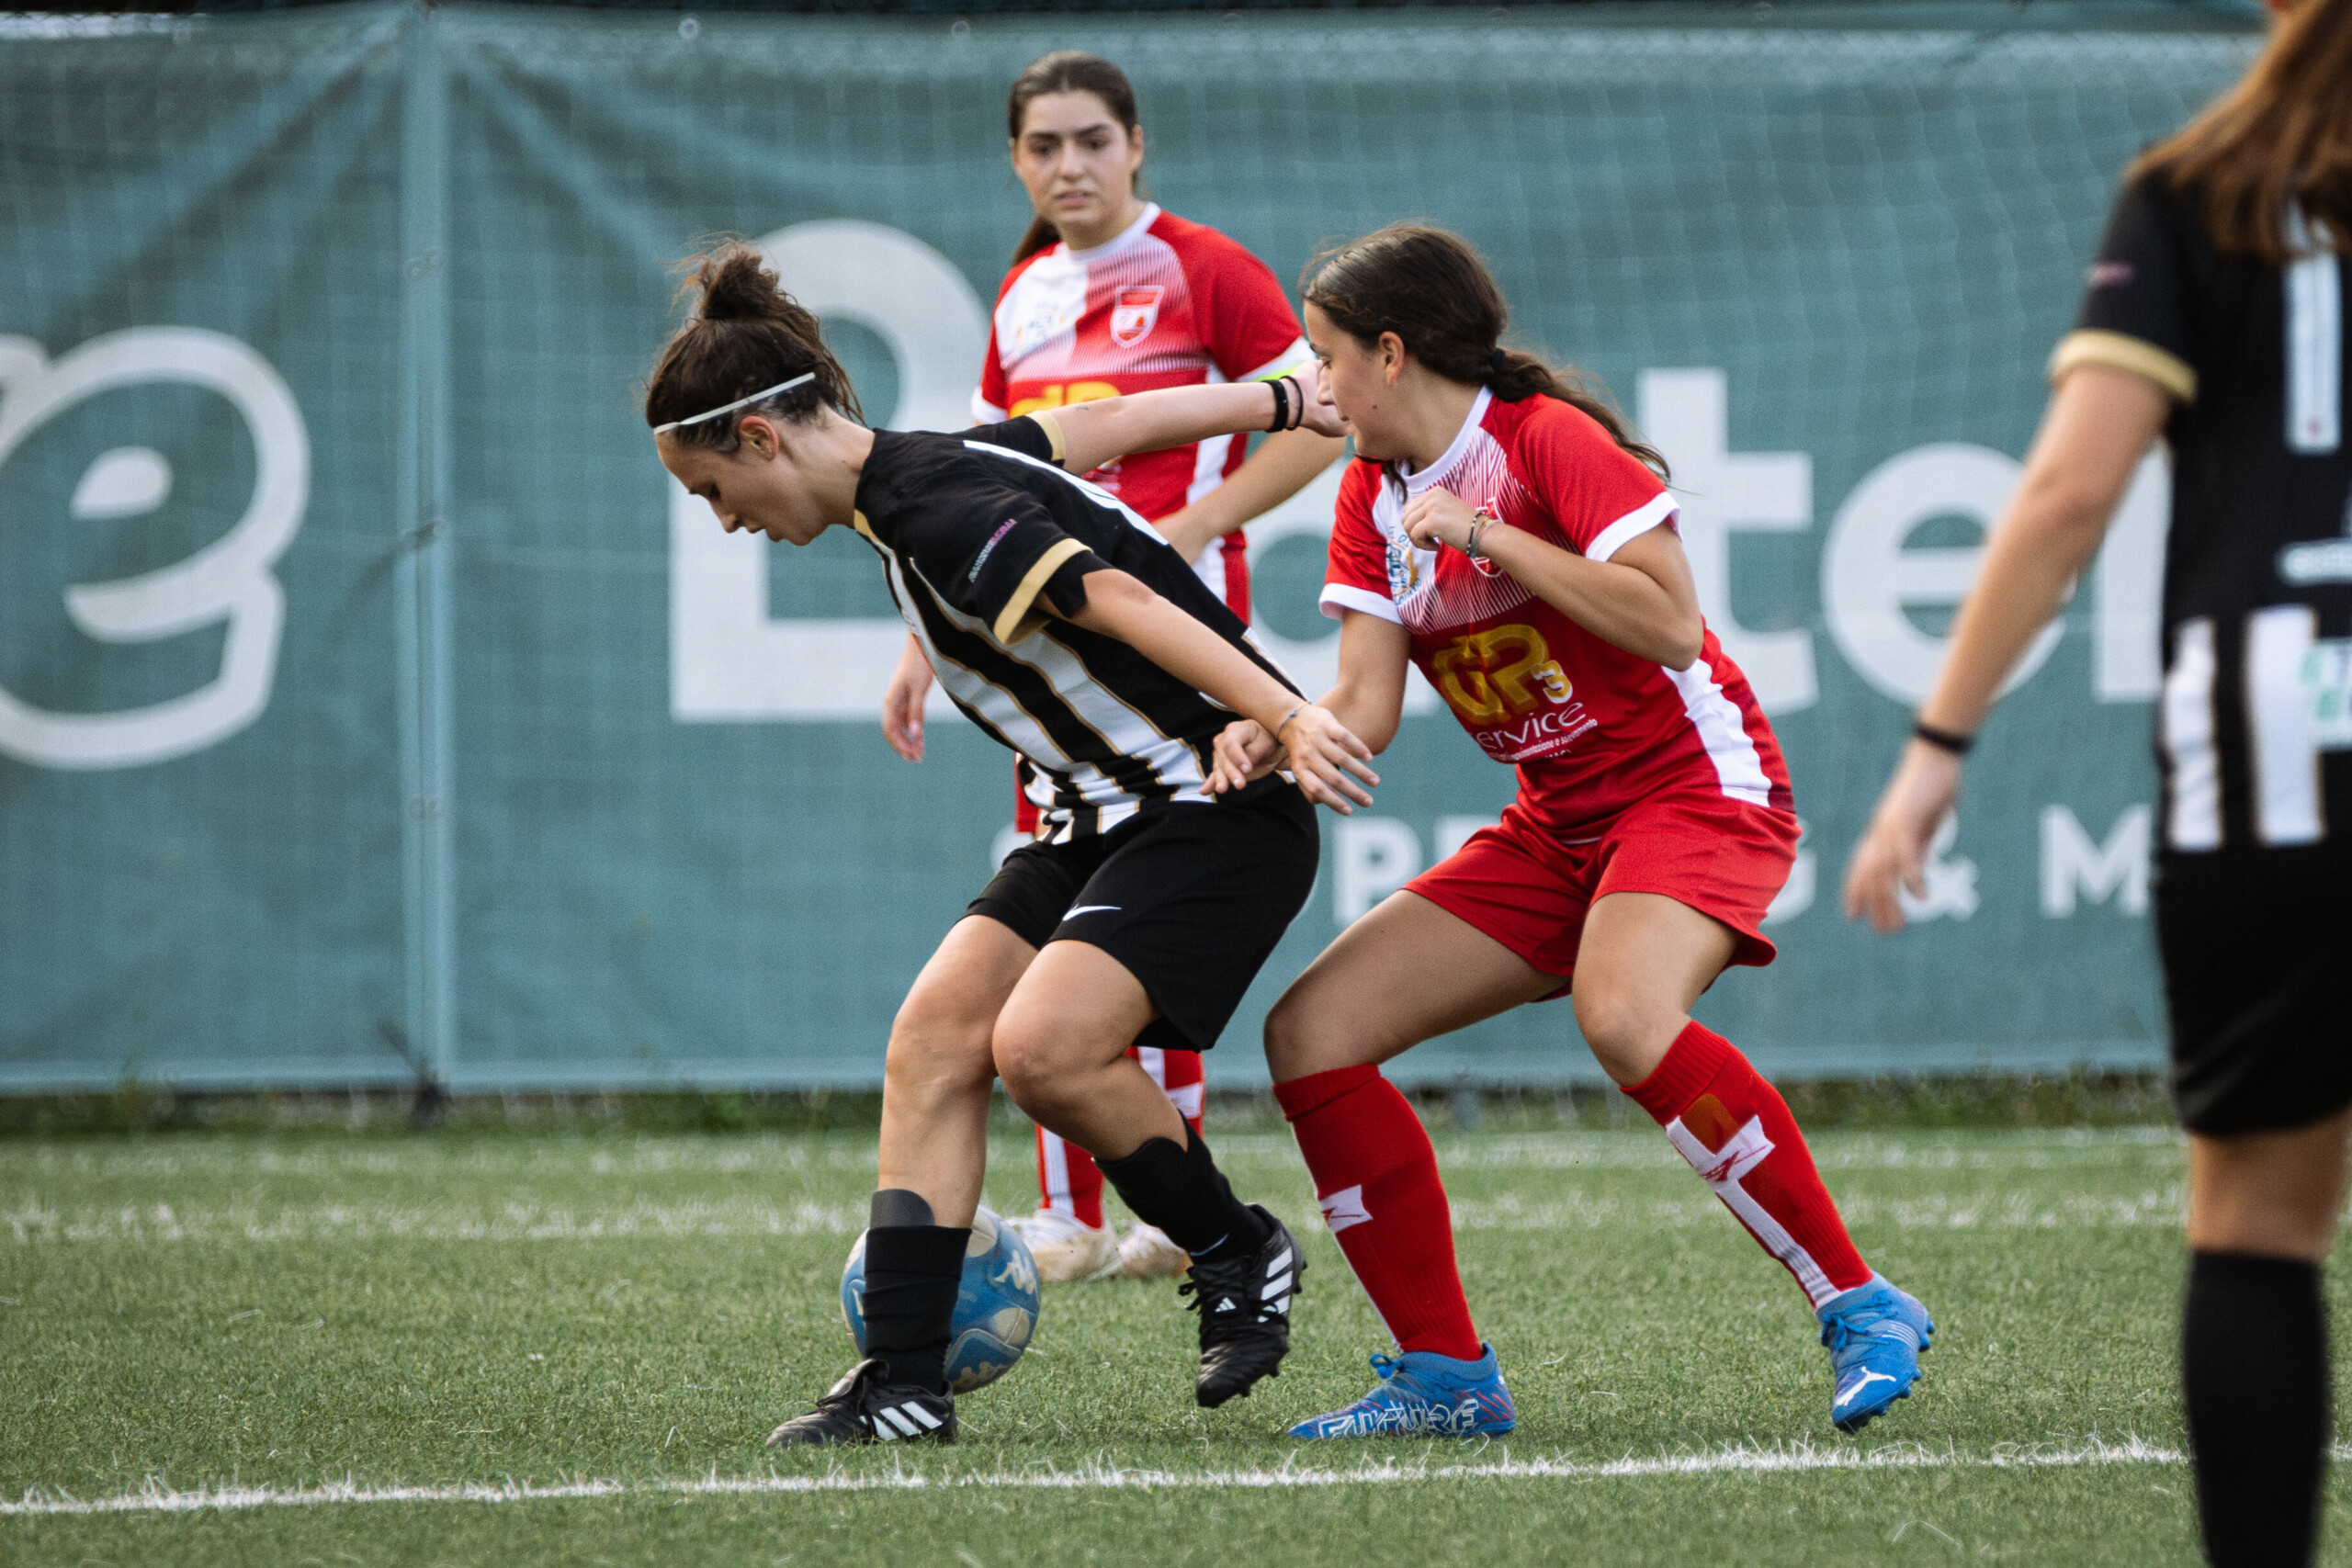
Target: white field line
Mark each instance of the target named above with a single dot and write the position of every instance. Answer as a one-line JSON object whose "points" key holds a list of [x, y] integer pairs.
{"points": [[32, 1222], [157, 1498]]}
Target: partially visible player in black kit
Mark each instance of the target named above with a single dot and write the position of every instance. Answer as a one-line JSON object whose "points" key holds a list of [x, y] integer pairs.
{"points": [[2216, 315], [1063, 627]]}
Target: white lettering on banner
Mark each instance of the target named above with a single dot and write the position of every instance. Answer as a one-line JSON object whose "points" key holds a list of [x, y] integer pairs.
{"points": [[729, 659], [2071, 864], [1868, 578], [1951, 880], [229, 579], [1375, 856], [1720, 493]]}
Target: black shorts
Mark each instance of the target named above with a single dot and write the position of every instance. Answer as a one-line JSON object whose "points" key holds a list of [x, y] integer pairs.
{"points": [[1190, 898], [2257, 955]]}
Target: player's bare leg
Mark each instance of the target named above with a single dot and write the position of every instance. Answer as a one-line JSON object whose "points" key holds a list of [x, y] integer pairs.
{"points": [[2262, 1218], [936, 1083], [1061, 1044], [939, 1073]]}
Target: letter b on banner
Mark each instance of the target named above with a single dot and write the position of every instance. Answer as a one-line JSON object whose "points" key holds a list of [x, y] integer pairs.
{"points": [[728, 658]]}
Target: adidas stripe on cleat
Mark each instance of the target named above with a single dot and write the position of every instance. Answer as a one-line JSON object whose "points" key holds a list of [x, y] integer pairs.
{"points": [[1422, 1393], [1876, 1334], [862, 1408], [1244, 1304]]}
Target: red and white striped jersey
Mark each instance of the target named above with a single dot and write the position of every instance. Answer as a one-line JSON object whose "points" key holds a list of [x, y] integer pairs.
{"points": [[1591, 728], [1169, 304]]}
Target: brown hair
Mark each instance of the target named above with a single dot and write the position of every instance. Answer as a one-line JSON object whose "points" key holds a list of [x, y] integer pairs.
{"points": [[746, 333], [2284, 131], [1066, 71], [1431, 289]]}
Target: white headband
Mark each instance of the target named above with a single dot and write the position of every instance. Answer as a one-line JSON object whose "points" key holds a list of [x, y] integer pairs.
{"points": [[760, 396]]}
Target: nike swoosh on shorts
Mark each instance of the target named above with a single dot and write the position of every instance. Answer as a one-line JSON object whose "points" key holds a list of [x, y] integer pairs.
{"points": [[1086, 909]]}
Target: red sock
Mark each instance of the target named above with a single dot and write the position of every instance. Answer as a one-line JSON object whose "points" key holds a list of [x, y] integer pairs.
{"points": [[1375, 1176], [1068, 1180], [1736, 1132], [1067, 1177]]}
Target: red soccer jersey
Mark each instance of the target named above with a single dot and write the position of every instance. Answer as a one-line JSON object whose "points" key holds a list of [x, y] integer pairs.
{"points": [[1591, 728], [1166, 304]]}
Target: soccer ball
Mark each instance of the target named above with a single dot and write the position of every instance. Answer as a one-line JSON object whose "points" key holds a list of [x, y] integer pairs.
{"points": [[996, 1304]]}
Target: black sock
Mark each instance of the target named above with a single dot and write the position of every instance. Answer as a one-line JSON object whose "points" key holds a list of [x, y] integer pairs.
{"points": [[911, 1272], [1183, 1192], [2255, 1377]]}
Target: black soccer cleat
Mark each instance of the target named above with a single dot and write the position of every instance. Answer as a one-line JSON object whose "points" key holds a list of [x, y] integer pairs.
{"points": [[1244, 1304], [862, 1408]]}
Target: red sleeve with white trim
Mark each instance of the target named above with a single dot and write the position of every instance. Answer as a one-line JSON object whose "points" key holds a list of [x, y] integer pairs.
{"points": [[1356, 577], [1239, 309], [993, 397], [1601, 496]]}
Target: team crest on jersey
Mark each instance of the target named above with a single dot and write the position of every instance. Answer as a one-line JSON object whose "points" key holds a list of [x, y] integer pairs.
{"points": [[1406, 568], [1134, 313]]}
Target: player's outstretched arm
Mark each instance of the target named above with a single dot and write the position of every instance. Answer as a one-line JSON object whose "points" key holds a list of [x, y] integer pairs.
{"points": [[1332, 766], [1093, 434], [2100, 421], [1642, 598], [1369, 700]]}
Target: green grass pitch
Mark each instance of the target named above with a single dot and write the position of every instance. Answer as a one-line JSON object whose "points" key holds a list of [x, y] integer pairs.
{"points": [[567, 1348]]}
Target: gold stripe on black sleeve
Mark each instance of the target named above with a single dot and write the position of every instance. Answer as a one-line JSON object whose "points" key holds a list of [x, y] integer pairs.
{"points": [[1020, 616], [2138, 356], [1053, 428]]}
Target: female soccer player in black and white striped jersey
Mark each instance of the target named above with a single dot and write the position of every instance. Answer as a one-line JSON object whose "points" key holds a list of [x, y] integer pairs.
{"points": [[2216, 316], [1066, 629]]}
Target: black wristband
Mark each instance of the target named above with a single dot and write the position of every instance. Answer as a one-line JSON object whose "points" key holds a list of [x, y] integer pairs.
{"points": [[1282, 405], [1942, 739]]}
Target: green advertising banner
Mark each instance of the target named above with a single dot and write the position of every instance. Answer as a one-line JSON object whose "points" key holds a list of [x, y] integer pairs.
{"points": [[372, 704]]}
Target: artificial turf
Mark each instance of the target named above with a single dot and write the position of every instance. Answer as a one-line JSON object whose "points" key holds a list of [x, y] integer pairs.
{"points": [[291, 1311]]}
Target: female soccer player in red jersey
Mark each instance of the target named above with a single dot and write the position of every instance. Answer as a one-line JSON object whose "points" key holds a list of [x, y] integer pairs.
{"points": [[1503, 531], [1107, 294]]}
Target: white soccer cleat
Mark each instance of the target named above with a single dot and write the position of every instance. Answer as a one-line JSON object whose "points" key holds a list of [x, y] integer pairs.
{"points": [[1067, 1251], [1146, 1253]]}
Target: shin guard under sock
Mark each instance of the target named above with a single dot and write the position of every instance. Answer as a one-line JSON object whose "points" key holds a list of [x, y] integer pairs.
{"points": [[1183, 1192], [2255, 1377], [1375, 1176], [911, 1274], [1738, 1133]]}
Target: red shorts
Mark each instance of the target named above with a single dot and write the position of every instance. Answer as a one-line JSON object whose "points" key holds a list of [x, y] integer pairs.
{"points": [[1529, 891]]}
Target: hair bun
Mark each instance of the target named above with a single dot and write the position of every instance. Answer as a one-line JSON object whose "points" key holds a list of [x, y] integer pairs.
{"points": [[738, 285]]}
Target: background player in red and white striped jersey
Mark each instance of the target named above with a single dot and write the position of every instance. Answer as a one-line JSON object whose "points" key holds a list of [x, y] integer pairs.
{"points": [[1108, 294], [1503, 531]]}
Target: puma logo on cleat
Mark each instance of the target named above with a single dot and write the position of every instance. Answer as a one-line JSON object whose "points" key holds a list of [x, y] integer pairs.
{"points": [[1860, 1383]]}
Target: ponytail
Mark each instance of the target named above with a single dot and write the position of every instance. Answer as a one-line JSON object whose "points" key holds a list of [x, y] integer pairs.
{"points": [[1431, 289], [746, 333]]}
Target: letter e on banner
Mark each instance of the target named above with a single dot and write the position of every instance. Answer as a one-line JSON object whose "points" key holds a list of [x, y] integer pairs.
{"points": [[229, 579]]}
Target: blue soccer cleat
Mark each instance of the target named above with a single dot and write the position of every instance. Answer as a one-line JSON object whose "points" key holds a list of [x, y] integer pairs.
{"points": [[1424, 1393], [1876, 1334]]}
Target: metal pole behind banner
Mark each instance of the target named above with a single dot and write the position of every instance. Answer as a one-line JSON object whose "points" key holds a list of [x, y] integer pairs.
{"points": [[422, 592]]}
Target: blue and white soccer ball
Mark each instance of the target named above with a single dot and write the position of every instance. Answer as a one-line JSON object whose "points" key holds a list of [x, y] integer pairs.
{"points": [[996, 1305]]}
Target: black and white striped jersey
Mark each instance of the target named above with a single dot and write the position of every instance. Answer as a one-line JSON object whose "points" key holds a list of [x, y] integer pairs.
{"points": [[2253, 729], [973, 528]]}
